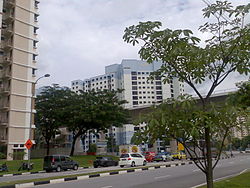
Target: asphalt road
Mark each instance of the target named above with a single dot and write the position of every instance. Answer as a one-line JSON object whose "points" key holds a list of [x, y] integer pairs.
{"points": [[175, 177], [69, 172]]}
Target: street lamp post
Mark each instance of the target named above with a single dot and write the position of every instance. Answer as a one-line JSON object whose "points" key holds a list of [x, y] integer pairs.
{"points": [[31, 111]]}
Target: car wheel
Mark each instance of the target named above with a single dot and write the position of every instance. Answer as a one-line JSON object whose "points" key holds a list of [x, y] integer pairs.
{"points": [[58, 168], [48, 170], [95, 166], [75, 167], [144, 163], [133, 164], [121, 166]]}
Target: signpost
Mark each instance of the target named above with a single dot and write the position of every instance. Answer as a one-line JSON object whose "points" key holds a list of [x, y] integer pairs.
{"points": [[28, 145]]}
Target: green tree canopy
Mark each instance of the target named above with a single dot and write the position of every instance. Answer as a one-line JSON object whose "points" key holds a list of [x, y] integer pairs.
{"points": [[183, 56], [95, 111], [49, 116]]}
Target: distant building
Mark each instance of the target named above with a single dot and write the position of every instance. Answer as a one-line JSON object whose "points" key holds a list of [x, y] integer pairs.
{"points": [[138, 90], [133, 77]]}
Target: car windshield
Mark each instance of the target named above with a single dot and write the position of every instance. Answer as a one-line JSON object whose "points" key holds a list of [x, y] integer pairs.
{"points": [[124, 155], [99, 158]]}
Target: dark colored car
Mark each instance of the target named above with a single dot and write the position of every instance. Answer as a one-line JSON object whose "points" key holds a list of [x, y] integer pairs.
{"points": [[104, 161], [58, 163]]}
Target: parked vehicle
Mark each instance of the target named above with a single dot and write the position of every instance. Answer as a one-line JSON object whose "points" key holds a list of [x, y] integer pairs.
{"points": [[4, 168], [247, 150], [132, 159], [25, 166], [149, 156], [163, 157], [104, 161], [179, 155], [58, 163]]}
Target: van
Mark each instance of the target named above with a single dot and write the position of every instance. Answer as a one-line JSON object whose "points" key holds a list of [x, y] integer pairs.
{"points": [[58, 163]]}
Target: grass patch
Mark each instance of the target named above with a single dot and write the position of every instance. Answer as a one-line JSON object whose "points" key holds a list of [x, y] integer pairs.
{"points": [[240, 181], [13, 166]]}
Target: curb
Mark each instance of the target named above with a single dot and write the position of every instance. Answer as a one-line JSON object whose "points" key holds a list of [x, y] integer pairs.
{"points": [[32, 184], [27, 173]]}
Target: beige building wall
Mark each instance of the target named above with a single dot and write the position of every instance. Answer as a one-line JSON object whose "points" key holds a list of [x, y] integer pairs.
{"points": [[17, 73]]}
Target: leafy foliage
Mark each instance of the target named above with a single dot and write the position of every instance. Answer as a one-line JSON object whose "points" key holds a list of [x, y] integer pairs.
{"points": [[183, 56], [49, 117]]}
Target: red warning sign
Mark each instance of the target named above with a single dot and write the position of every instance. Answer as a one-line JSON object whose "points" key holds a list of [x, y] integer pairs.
{"points": [[28, 144]]}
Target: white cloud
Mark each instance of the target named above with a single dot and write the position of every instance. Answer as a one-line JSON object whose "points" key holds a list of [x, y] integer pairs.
{"points": [[78, 38]]}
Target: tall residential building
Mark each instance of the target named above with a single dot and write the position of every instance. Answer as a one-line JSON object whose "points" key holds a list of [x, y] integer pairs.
{"points": [[133, 77], [18, 52]]}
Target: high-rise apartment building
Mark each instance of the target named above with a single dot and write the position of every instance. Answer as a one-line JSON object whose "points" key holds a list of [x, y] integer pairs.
{"points": [[18, 52], [138, 90], [133, 77]]}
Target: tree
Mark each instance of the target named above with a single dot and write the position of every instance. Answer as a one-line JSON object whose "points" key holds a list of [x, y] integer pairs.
{"points": [[49, 117], [183, 56], [95, 111]]}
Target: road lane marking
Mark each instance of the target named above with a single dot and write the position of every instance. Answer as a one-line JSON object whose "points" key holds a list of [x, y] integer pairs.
{"points": [[196, 170], [160, 177], [107, 187], [231, 162]]}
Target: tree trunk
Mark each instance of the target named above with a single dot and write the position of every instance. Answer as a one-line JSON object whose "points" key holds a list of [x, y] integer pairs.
{"points": [[73, 145], [48, 147], [209, 171]]}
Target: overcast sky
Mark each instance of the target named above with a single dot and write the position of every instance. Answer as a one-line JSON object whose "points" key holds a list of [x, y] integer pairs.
{"points": [[78, 38]]}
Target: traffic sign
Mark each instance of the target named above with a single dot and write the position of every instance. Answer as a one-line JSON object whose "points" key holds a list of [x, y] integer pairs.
{"points": [[28, 144]]}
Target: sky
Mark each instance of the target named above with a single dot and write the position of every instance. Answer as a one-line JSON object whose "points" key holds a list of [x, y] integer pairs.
{"points": [[78, 38]]}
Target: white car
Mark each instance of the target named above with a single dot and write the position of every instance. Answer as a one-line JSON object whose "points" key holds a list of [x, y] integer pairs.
{"points": [[247, 150], [132, 159]]}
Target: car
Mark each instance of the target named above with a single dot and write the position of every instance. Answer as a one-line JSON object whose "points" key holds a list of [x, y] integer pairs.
{"points": [[104, 161], [132, 159], [58, 163], [149, 156], [178, 155], [247, 150], [163, 157]]}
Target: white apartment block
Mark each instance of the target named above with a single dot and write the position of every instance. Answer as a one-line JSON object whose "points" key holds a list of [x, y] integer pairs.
{"points": [[133, 77], [18, 52]]}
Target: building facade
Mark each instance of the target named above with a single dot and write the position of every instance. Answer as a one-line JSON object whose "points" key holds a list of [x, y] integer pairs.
{"points": [[138, 90], [18, 52], [133, 77]]}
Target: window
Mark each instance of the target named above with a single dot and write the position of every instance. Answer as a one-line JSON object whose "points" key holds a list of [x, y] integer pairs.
{"points": [[36, 17], [133, 73], [172, 91], [135, 97], [134, 78], [158, 92], [158, 82], [134, 87], [134, 93], [135, 102], [158, 87], [35, 30], [172, 95], [134, 83], [159, 97], [33, 71], [171, 86]]}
